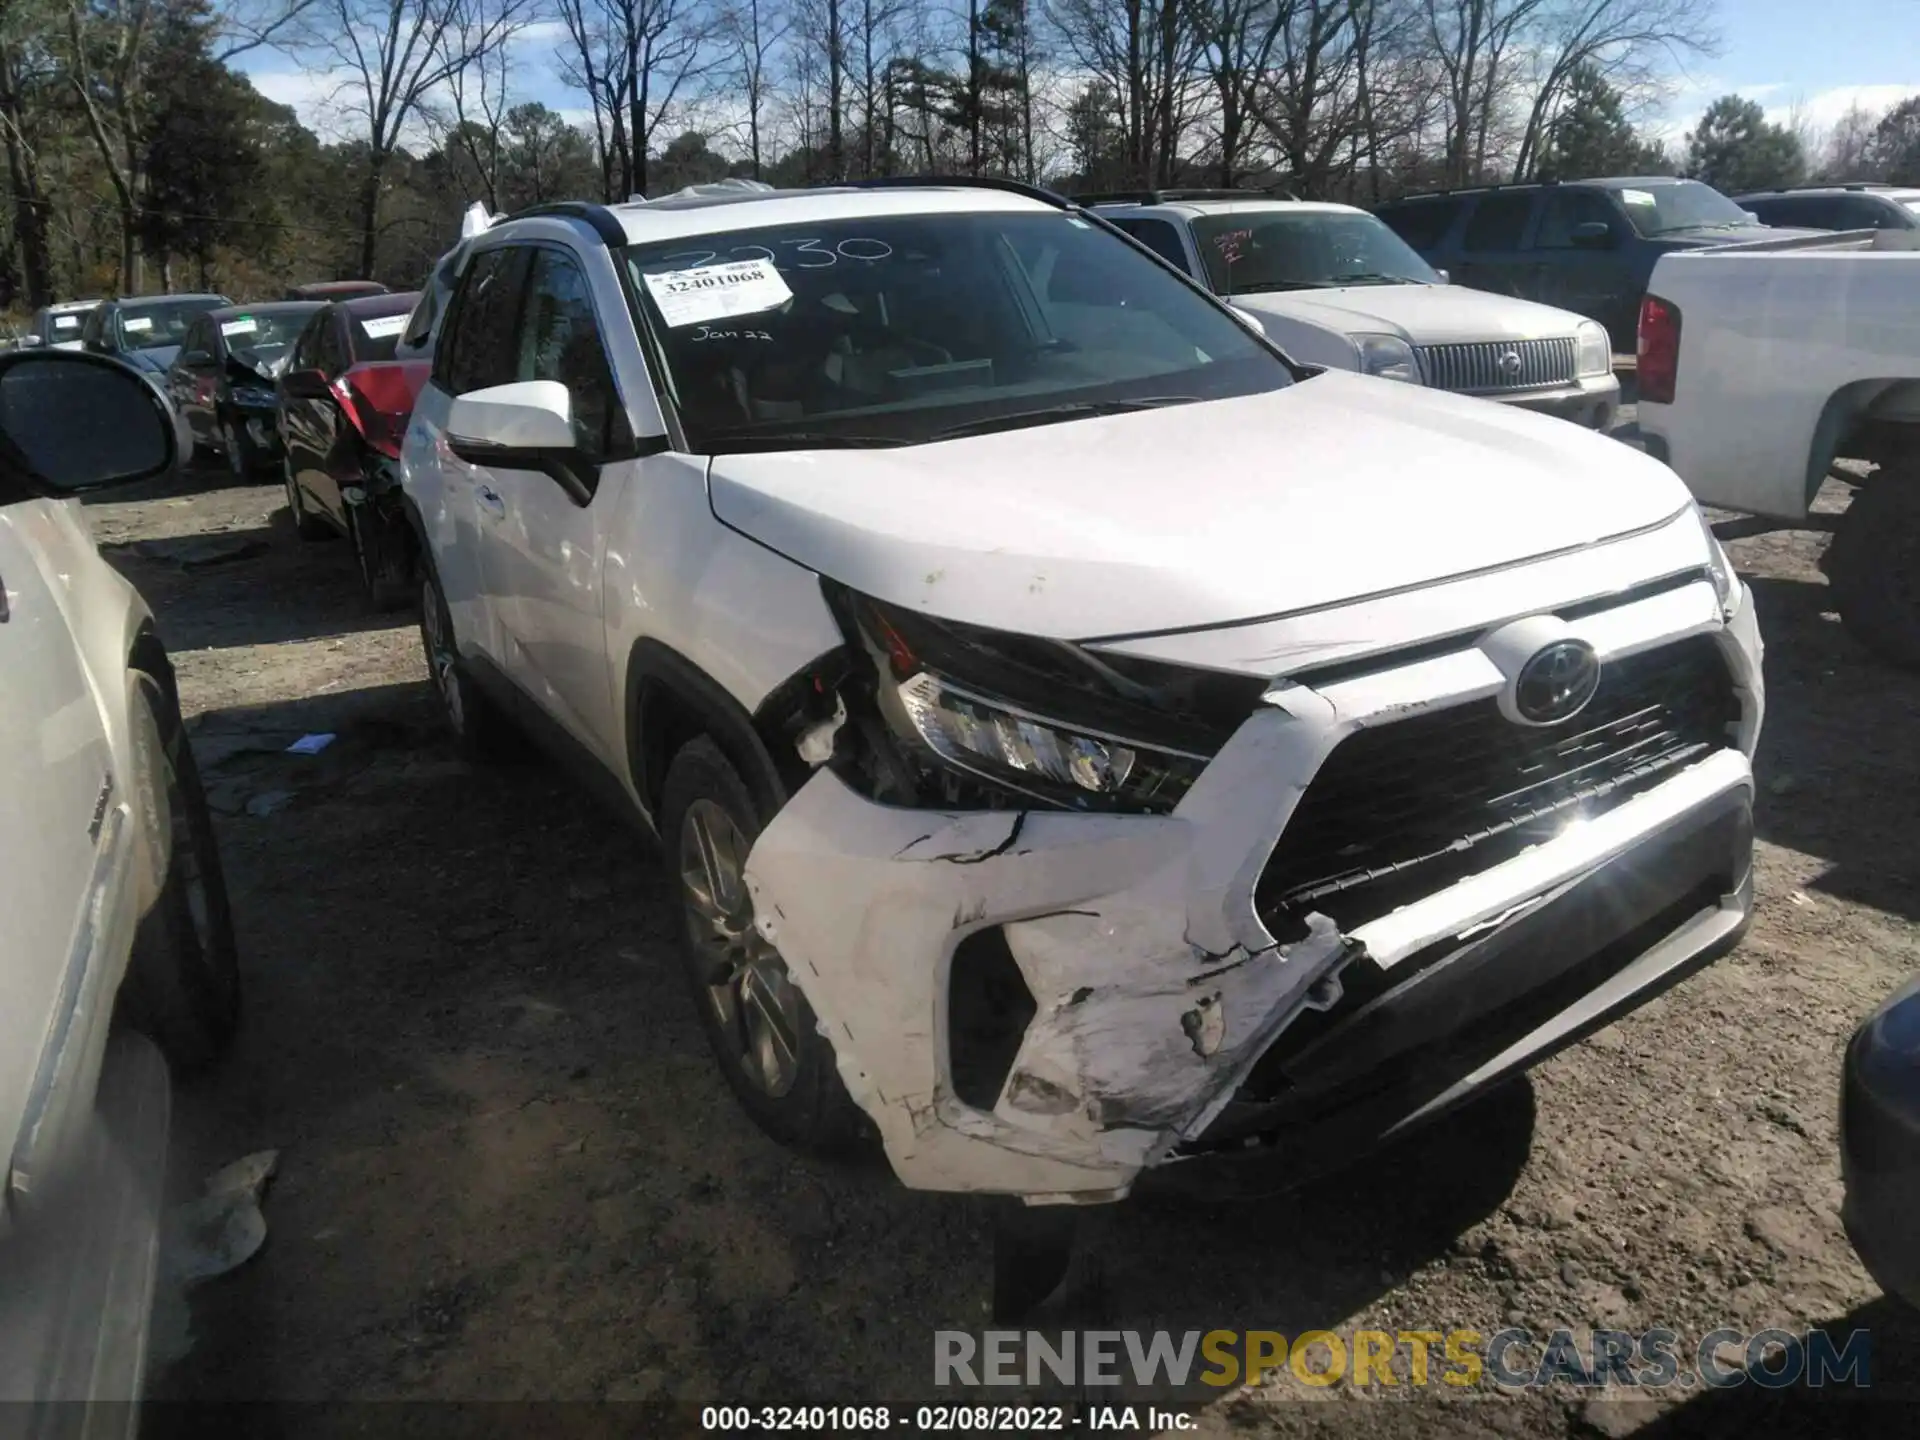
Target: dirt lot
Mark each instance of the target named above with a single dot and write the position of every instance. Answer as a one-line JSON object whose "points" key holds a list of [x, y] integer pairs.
{"points": [[509, 1170]]}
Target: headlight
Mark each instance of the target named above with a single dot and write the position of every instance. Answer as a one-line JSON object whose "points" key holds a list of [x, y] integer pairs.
{"points": [[1042, 757], [1389, 357], [1596, 349], [1726, 584], [972, 717]]}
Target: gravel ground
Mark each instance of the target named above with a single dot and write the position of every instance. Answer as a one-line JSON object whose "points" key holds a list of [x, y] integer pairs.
{"points": [[509, 1171]]}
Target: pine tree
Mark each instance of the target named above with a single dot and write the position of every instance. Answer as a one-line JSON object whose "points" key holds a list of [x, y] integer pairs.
{"points": [[1735, 149]]}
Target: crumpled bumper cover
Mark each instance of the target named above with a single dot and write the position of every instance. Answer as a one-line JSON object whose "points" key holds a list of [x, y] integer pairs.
{"points": [[1156, 985]]}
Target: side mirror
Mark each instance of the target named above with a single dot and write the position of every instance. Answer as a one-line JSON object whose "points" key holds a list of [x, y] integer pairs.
{"points": [[527, 425], [305, 384], [1445, 278], [512, 426], [1593, 235], [74, 422], [190, 358], [1248, 319]]}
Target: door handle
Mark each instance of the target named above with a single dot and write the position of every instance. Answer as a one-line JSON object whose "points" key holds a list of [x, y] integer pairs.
{"points": [[490, 502]]}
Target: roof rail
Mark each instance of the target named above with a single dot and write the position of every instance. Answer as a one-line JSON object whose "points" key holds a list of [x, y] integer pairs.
{"points": [[598, 217], [1175, 196], [1471, 190], [977, 182]]}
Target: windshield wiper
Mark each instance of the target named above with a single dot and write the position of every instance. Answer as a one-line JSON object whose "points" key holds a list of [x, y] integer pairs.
{"points": [[1372, 277], [1047, 415]]}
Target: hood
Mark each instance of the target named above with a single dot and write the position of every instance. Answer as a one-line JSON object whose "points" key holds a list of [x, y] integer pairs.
{"points": [[247, 368], [1421, 314], [1198, 515], [155, 359]]}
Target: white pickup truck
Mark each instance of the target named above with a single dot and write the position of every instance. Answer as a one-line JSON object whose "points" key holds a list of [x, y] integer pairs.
{"points": [[1762, 364]]}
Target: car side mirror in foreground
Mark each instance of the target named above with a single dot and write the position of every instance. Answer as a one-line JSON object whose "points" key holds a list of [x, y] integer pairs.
{"points": [[72, 422]]}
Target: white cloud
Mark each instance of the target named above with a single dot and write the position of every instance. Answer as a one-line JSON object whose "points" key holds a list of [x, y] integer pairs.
{"points": [[1818, 109]]}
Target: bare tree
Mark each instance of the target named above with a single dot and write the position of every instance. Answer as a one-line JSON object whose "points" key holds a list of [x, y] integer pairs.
{"points": [[752, 31], [638, 61], [1849, 153], [395, 57], [1145, 53], [1625, 41], [478, 98]]}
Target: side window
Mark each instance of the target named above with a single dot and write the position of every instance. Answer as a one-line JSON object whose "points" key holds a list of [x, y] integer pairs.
{"points": [[1423, 224], [90, 336], [1160, 237], [1566, 211], [476, 349], [1858, 212], [329, 354], [560, 340], [199, 342], [1499, 221]]}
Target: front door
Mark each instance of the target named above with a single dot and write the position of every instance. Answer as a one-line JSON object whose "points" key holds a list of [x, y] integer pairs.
{"points": [[1579, 274], [1492, 256], [56, 772], [543, 545]]}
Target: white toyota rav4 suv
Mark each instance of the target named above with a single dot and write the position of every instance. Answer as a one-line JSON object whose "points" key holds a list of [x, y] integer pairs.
{"points": [[1332, 285], [1085, 738]]}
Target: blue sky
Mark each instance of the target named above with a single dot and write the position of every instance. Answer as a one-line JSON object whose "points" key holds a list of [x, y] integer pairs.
{"points": [[1820, 56], [1817, 55]]}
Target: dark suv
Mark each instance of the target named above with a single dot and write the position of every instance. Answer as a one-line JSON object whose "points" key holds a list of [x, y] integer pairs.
{"points": [[1837, 207], [1585, 245]]}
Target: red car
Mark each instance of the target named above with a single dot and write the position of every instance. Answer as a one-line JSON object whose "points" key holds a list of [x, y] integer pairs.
{"points": [[344, 403]]}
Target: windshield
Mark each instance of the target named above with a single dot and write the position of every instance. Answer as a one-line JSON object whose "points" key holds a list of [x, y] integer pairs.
{"points": [[376, 337], [264, 337], [153, 326], [1683, 205], [1304, 250], [900, 329]]}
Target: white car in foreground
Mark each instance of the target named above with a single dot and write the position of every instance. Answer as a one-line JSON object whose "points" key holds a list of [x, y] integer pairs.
{"points": [[1083, 741], [113, 912], [1332, 285]]}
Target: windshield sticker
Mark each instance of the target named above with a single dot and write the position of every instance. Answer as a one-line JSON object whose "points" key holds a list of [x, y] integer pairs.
{"points": [[382, 326], [717, 292], [137, 323], [1637, 197], [66, 322], [245, 325]]}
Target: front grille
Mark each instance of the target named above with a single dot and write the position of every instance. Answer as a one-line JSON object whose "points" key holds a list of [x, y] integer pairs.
{"points": [[1401, 809], [1492, 366]]}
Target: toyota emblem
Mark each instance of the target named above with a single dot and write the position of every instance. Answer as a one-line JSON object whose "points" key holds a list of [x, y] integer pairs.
{"points": [[1556, 683], [1509, 363]]}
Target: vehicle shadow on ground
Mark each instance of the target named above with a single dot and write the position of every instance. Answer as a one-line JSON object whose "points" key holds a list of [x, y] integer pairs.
{"points": [[314, 592], [1835, 771]]}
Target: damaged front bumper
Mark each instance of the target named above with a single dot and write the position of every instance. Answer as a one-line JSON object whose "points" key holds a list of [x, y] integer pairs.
{"points": [[1151, 991]]}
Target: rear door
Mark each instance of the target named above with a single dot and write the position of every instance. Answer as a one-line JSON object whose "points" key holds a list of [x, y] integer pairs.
{"points": [[59, 796], [1585, 277], [1493, 254]]}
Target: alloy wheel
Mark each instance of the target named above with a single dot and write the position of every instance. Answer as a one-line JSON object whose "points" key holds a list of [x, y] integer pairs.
{"points": [[746, 981]]}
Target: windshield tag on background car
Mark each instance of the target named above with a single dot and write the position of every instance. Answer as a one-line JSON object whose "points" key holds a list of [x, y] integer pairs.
{"points": [[1637, 197], [382, 326], [245, 325], [66, 322], [717, 292], [137, 323]]}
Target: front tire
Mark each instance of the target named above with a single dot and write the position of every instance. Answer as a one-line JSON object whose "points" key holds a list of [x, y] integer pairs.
{"points": [[762, 1031], [1873, 564], [182, 988]]}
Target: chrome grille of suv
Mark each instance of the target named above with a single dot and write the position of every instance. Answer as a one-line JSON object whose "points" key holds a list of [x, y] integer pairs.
{"points": [[1400, 810], [1489, 367]]}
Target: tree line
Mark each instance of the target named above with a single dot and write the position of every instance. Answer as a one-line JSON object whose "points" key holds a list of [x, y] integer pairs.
{"points": [[140, 159]]}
